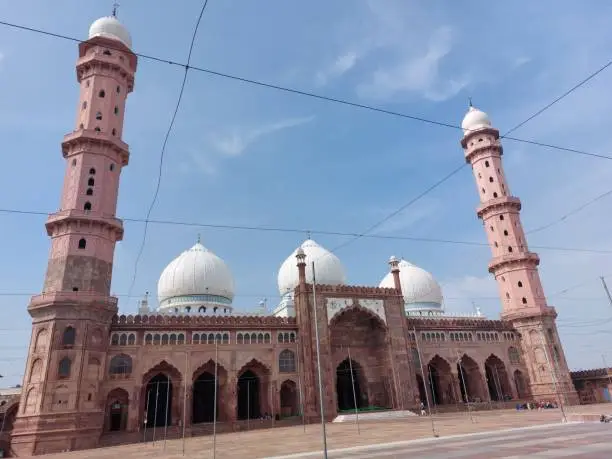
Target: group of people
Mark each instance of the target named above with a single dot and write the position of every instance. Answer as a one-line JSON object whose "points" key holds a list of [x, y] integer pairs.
{"points": [[541, 405]]}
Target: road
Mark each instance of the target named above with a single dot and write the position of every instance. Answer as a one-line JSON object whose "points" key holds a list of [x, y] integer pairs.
{"points": [[592, 440]]}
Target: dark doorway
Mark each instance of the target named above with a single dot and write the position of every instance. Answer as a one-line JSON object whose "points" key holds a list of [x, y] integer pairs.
{"points": [[116, 416], [493, 384], [346, 377], [421, 386], [248, 396], [159, 401], [204, 399]]}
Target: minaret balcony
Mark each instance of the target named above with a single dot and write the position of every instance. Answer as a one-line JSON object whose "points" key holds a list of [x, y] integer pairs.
{"points": [[73, 298], [518, 258], [511, 313], [496, 205], [88, 218], [92, 141]]}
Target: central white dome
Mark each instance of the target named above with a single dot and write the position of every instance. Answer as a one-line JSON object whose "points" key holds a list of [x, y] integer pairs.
{"points": [[419, 288], [197, 277], [475, 119], [328, 268], [110, 27]]}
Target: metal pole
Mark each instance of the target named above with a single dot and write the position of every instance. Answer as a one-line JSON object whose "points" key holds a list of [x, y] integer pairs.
{"points": [[300, 386], [552, 374], [215, 400], [146, 416], [155, 417], [465, 389], [166, 418], [185, 398], [318, 348], [603, 357], [433, 427], [248, 404], [605, 286], [354, 394], [399, 397]]}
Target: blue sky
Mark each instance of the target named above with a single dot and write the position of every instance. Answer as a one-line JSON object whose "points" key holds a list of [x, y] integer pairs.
{"points": [[245, 155]]}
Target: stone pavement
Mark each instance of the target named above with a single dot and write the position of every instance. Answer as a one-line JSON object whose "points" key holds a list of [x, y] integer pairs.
{"points": [[290, 440]]}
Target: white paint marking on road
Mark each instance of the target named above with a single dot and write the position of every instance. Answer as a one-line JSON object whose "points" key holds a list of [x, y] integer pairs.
{"points": [[418, 441]]}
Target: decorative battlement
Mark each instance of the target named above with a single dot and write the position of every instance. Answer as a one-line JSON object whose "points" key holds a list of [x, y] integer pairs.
{"points": [[495, 206], [457, 323], [516, 258], [353, 290], [429, 314], [594, 373], [90, 140], [232, 322]]}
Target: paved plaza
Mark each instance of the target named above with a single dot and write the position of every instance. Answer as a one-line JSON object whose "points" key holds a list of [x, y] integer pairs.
{"points": [[489, 434]]}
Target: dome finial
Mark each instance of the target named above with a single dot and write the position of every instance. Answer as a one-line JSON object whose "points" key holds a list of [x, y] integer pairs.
{"points": [[470, 102], [115, 8], [199, 238], [309, 235]]}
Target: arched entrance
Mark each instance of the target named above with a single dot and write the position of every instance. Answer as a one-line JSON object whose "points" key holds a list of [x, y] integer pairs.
{"points": [[249, 395], [521, 386], [439, 381], [348, 386], [497, 379], [203, 409], [289, 399], [469, 379], [117, 404], [159, 401]]}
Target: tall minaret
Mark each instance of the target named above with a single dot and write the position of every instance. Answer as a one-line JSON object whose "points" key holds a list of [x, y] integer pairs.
{"points": [[515, 268], [60, 407]]}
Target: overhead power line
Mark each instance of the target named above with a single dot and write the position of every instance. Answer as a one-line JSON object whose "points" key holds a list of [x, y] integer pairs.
{"points": [[163, 149], [322, 97], [324, 233]]}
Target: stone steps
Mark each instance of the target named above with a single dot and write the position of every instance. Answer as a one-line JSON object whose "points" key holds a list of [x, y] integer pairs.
{"points": [[375, 416]]}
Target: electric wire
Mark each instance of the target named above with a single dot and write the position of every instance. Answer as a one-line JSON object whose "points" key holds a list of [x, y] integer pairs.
{"points": [[322, 97], [333, 233], [163, 149]]}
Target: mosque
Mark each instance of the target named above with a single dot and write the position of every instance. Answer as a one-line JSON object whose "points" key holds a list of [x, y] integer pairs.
{"points": [[96, 377]]}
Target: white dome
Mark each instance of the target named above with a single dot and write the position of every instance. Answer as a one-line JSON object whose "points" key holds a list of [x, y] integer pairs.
{"points": [[110, 27], [329, 269], [419, 288], [474, 119], [196, 276]]}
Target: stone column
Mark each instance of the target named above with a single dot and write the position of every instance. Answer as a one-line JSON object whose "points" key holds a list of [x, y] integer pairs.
{"points": [[231, 399]]}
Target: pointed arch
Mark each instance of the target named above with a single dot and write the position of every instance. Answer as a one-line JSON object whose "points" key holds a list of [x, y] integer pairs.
{"points": [[164, 368], [116, 412], [257, 367], [289, 398], [497, 379], [470, 379], [439, 381], [252, 390], [341, 315]]}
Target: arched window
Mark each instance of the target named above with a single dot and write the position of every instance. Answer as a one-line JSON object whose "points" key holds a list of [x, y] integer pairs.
{"points": [[115, 340], [82, 243], [89, 192], [123, 340], [180, 339], [63, 370], [92, 171], [514, 356], [99, 115], [202, 309], [286, 361], [69, 336], [101, 93], [226, 338], [120, 365], [87, 206], [131, 339], [91, 181], [148, 338]]}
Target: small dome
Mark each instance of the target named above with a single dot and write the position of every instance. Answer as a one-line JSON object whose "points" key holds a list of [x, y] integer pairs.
{"points": [[474, 119], [110, 27], [419, 288], [196, 276], [329, 269]]}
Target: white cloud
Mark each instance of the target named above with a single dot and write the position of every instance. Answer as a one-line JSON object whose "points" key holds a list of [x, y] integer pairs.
{"points": [[416, 74], [418, 213], [339, 67], [239, 140]]}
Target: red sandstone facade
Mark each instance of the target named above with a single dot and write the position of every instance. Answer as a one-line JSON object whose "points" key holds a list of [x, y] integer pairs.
{"points": [[94, 377]]}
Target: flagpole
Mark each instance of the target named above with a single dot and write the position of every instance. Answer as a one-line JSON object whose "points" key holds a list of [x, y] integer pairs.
{"points": [[416, 339], [318, 349], [166, 418], [155, 417], [148, 392], [215, 403], [465, 388], [354, 394], [185, 398], [248, 380]]}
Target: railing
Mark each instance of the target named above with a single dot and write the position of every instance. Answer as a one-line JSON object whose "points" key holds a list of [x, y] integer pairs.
{"points": [[76, 297]]}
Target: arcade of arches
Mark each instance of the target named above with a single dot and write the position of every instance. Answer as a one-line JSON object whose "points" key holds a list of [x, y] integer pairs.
{"points": [[464, 380]]}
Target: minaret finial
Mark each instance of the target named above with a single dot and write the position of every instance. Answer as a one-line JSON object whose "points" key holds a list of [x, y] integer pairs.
{"points": [[470, 102], [115, 8], [199, 238], [309, 234]]}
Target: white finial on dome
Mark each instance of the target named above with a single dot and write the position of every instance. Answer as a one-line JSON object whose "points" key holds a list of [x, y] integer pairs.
{"points": [[115, 8], [110, 27]]}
